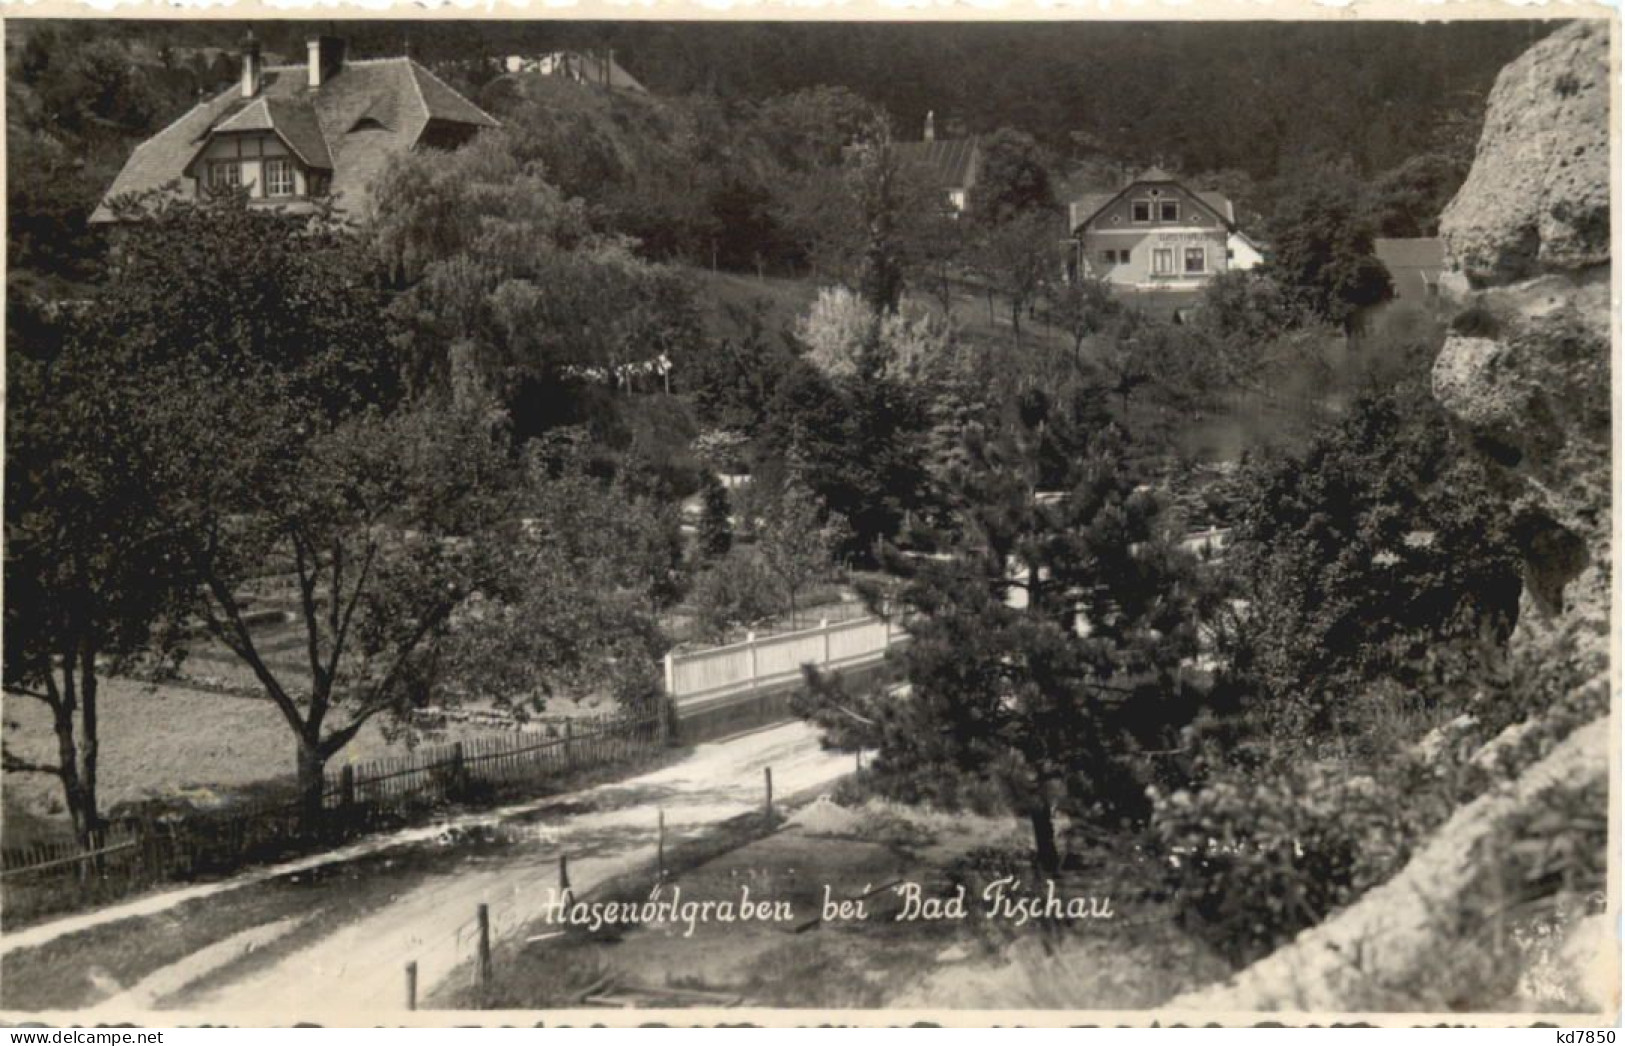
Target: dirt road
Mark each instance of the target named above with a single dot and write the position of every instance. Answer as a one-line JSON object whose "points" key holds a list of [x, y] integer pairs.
{"points": [[359, 965]]}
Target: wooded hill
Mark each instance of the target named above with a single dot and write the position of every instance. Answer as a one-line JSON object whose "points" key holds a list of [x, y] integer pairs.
{"points": [[1277, 103]]}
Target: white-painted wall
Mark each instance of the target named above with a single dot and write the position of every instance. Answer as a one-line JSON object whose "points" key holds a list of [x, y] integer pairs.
{"points": [[1243, 255]]}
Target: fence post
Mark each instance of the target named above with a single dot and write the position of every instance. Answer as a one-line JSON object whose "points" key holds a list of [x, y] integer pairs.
{"points": [[457, 768], [564, 874], [483, 966], [671, 675], [750, 648], [660, 849], [569, 745], [767, 775], [150, 853], [665, 712], [885, 618], [347, 790], [412, 985], [823, 626]]}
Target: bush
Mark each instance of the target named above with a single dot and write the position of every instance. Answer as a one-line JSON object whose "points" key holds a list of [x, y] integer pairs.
{"points": [[1255, 859], [736, 592]]}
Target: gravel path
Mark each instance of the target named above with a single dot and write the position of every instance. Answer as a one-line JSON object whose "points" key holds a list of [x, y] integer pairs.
{"points": [[357, 967]]}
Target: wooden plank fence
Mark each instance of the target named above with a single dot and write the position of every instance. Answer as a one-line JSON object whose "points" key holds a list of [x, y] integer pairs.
{"points": [[129, 856], [758, 663], [746, 686]]}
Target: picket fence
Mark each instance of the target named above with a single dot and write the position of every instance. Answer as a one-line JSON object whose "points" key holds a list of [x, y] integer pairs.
{"points": [[128, 856], [755, 664]]}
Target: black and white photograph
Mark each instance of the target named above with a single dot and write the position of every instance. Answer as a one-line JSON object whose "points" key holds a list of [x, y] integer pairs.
{"points": [[986, 517]]}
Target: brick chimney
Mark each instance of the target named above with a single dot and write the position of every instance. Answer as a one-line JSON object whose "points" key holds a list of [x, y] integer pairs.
{"points": [[325, 58], [931, 125], [253, 66]]}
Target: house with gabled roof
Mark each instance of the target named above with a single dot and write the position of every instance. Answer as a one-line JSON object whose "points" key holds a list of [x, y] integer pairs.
{"points": [[1157, 235], [952, 164], [294, 135]]}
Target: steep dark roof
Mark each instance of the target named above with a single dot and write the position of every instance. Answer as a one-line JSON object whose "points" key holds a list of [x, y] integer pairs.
{"points": [[442, 102], [363, 113], [1220, 203], [1415, 253], [952, 163], [1089, 205], [1412, 263]]}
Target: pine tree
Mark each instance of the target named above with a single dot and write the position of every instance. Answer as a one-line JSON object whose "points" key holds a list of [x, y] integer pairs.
{"points": [[1050, 647], [716, 534]]}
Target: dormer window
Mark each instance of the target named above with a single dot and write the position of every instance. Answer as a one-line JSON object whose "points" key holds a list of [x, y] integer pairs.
{"points": [[279, 179], [1142, 210], [1169, 210]]}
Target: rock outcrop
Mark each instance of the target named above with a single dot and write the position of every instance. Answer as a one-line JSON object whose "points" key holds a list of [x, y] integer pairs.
{"points": [[1537, 198], [1528, 378]]}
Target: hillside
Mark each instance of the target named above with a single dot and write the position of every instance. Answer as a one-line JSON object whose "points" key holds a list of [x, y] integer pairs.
{"points": [[690, 171]]}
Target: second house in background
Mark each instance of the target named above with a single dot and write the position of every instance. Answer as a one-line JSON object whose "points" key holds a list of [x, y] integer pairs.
{"points": [[1157, 235]]}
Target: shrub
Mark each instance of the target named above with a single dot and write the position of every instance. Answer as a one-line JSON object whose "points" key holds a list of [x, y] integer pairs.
{"points": [[736, 592], [1255, 859]]}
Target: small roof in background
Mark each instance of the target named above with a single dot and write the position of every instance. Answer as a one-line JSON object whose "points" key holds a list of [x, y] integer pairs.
{"points": [[1419, 252], [1414, 264], [951, 161]]}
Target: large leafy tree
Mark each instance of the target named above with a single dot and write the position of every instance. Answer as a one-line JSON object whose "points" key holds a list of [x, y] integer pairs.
{"points": [[1013, 180], [96, 575], [1322, 248], [291, 464], [1049, 644], [1017, 258], [510, 289]]}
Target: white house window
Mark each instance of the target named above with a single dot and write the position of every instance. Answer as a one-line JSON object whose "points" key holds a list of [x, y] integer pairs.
{"points": [[1169, 210], [1196, 259], [1162, 261], [1142, 210], [279, 178], [225, 176]]}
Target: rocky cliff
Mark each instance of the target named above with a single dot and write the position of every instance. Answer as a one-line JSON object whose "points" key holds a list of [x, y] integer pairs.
{"points": [[1537, 198], [1527, 379]]}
